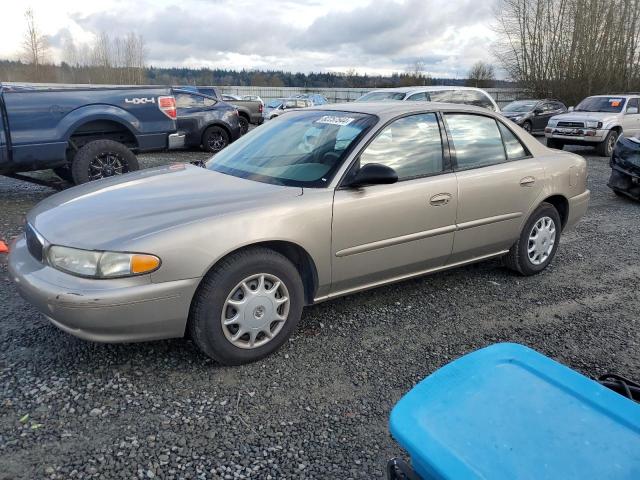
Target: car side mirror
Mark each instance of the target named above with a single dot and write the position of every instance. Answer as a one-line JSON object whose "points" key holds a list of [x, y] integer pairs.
{"points": [[570, 109], [374, 174], [632, 110], [537, 111]]}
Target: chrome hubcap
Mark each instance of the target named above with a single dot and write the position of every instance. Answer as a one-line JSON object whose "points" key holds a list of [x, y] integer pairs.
{"points": [[255, 311], [541, 240]]}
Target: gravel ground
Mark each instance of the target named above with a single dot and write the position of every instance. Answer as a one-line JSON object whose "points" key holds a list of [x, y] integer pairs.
{"points": [[319, 407]]}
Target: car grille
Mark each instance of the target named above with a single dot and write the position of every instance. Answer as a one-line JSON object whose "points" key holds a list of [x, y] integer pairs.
{"points": [[571, 124], [34, 243]]}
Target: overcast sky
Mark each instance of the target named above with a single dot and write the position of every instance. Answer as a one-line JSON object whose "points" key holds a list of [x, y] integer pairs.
{"points": [[373, 36]]}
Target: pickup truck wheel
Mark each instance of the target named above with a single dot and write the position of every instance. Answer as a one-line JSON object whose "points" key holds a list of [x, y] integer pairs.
{"points": [[605, 148], [246, 306], [215, 139], [244, 125], [538, 242], [102, 159]]}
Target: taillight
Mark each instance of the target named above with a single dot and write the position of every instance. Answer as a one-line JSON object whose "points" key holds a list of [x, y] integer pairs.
{"points": [[167, 105], [260, 108]]}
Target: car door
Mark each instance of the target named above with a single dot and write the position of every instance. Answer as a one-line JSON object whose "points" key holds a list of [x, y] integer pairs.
{"points": [[498, 182], [631, 118], [384, 232]]}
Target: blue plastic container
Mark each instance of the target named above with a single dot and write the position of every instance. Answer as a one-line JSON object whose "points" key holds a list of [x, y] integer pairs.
{"points": [[508, 412]]}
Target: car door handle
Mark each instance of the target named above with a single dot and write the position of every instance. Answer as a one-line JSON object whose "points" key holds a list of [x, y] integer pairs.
{"points": [[527, 181], [440, 199]]}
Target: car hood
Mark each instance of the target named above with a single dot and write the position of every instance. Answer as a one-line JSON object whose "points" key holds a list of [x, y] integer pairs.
{"points": [[109, 213], [585, 116]]}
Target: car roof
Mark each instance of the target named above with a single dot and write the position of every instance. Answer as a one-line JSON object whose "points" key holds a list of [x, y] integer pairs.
{"points": [[394, 108], [424, 88]]}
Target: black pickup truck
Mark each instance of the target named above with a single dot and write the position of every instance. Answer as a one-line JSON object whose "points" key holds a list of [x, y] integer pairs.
{"points": [[84, 133]]}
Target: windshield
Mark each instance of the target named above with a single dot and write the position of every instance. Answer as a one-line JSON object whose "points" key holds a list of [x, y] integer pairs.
{"points": [[520, 106], [301, 149], [601, 104], [381, 96]]}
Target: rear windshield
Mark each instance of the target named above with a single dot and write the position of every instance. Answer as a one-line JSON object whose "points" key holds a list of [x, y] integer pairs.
{"points": [[303, 148], [601, 104], [381, 96]]}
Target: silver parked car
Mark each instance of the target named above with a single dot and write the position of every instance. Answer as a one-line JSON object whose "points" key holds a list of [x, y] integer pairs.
{"points": [[319, 203]]}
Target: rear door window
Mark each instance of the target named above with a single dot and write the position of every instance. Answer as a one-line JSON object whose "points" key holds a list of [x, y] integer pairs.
{"points": [[479, 99], [476, 139]]}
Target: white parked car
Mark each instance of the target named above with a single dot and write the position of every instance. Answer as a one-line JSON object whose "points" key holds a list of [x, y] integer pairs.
{"points": [[442, 94]]}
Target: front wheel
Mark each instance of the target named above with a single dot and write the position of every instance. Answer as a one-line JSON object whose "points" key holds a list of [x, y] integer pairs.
{"points": [[605, 148], [102, 159], [538, 242], [527, 126], [246, 306], [244, 125], [215, 139]]}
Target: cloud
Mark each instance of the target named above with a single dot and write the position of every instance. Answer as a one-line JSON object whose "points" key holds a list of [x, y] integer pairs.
{"points": [[304, 35]]}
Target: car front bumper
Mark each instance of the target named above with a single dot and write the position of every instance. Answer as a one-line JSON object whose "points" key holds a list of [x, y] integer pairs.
{"points": [[576, 135], [114, 310]]}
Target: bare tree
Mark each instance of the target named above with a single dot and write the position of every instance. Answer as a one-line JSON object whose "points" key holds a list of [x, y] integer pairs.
{"points": [[481, 74], [570, 49], [34, 45]]}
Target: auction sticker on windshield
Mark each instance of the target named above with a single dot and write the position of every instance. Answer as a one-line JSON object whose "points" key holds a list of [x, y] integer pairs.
{"points": [[334, 120], [615, 102]]}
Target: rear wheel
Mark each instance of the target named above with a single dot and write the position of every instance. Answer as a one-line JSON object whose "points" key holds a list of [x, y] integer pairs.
{"points": [[246, 307], [605, 148], [215, 139], [553, 143], [102, 159], [538, 242]]}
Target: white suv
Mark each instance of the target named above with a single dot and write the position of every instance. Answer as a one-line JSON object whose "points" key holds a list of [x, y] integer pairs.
{"points": [[597, 121], [444, 94]]}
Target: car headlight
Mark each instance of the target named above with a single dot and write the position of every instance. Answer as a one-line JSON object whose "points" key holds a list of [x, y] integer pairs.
{"points": [[517, 119], [552, 123], [88, 263], [593, 124]]}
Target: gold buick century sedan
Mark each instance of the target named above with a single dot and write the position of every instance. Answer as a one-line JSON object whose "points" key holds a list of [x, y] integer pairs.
{"points": [[318, 203]]}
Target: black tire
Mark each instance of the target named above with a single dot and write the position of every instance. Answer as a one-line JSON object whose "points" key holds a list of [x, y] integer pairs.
{"points": [[605, 148], [244, 124], [527, 127], [205, 318], [554, 143], [64, 173], [115, 158], [518, 257], [215, 139]]}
